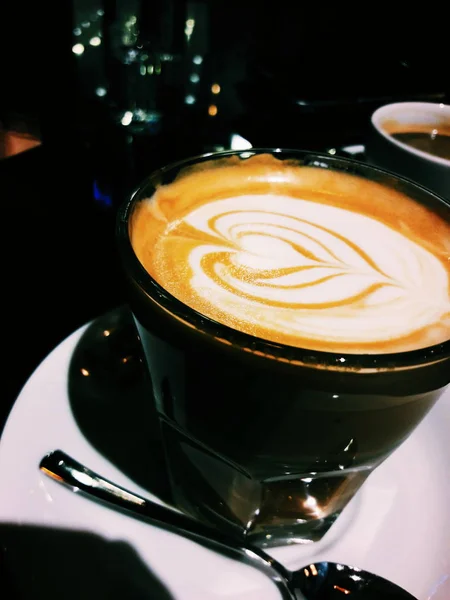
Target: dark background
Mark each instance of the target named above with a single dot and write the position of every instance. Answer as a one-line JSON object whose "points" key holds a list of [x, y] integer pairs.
{"points": [[293, 74]]}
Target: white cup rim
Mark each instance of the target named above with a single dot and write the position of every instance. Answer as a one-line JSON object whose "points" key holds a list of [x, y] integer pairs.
{"points": [[390, 110]]}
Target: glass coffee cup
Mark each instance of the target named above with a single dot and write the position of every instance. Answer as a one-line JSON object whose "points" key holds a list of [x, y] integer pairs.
{"points": [[294, 312]]}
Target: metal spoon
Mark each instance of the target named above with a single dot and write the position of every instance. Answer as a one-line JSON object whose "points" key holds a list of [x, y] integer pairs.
{"points": [[319, 581]]}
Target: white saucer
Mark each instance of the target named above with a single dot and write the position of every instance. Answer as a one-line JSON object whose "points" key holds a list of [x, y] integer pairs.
{"points": [[398, 525]]}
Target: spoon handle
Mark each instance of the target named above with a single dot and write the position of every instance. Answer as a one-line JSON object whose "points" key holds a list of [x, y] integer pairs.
{"points": [[64, 469]]}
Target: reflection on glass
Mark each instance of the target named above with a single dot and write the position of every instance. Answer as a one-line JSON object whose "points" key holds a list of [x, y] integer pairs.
{"points": [[14, 142], [239, 143], [78, 49], [127, 118]]}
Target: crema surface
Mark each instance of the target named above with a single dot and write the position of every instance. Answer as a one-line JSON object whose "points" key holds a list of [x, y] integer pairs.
{"points": [[302, 256]]}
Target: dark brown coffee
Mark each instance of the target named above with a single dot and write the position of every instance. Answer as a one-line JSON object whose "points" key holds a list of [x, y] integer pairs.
{"points": [[427, 138], [436, 144]]}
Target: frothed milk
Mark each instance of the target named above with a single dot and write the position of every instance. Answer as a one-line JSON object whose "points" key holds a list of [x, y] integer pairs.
{"points": [[300, 255]]}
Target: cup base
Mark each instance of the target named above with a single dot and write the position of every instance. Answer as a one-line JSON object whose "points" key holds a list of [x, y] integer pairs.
{"points": [[266, 512]]}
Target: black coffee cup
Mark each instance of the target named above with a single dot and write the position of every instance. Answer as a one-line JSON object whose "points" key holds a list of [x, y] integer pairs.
{"points": [[268, 441]]}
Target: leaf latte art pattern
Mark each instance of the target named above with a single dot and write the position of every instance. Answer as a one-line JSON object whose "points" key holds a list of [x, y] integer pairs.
{"points": [[301, 269], [300, 256]]}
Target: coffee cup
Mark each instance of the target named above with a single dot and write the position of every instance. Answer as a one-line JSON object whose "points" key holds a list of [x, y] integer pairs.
{"points": [[294, 312], [412, 139]]}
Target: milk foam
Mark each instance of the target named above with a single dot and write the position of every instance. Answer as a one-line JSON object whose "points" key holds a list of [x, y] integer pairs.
{"points": [[299, 255], [301, 268]]}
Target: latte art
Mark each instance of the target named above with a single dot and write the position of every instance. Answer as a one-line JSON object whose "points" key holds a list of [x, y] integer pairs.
{"points": [[314, 271], [304, 272]]}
